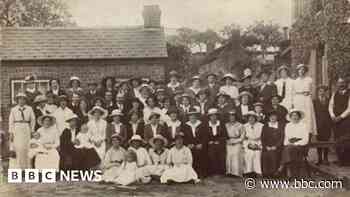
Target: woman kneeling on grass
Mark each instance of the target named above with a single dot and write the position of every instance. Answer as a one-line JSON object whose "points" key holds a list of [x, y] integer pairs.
{"points": [[180, 161]]}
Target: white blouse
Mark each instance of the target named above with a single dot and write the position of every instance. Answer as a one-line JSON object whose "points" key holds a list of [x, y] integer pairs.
{"points": [[296, 130], [232, 91]]}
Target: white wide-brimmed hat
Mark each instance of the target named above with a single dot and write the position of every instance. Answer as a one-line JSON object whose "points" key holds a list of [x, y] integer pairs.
{"points": [[251, 113], [116, 112], [41, 119], [229, 76], [136, 138], [74, 78], [98, 108], [71, 117], [40, 98], [300, 112], [213, 111], [158, 137]]}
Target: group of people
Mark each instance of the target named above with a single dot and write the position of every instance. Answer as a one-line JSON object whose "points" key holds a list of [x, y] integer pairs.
{"points": [[139, 130]]}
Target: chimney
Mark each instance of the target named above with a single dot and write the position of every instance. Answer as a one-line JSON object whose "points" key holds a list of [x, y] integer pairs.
{"points": [[151, 16], [285, 33]]}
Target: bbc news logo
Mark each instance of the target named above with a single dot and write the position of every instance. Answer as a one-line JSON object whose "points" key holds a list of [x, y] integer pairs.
{"points": [[52, 175]]}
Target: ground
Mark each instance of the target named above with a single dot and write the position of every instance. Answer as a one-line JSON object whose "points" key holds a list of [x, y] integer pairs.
{"points": [[212, 187]]}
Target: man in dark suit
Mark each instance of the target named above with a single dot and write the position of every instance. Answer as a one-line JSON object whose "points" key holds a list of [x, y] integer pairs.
{"points": [[92, 93], [266, 89]]}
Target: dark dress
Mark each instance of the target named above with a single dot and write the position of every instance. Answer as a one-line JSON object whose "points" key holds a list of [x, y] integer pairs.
{"points": [[31, 96], [72, 158], [200, 155], [216, 149], [281, 111], [265, 94], [271, 158], [323, 119]]}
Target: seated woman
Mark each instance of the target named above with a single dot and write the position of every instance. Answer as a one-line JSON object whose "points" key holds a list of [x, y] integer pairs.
{"points": [[158, 154], [47, 156], [295, 139], [143, 158], [128, 171], [86, 155], [114, 159], [272, 141], [180, 161]]}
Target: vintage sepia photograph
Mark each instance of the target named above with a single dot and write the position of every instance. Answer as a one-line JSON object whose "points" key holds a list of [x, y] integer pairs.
{"points": [[175, 98]]}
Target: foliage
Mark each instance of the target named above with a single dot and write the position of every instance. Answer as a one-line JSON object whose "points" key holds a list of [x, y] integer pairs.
{"points": [[178, 57], [327, 27], [36, 13]]}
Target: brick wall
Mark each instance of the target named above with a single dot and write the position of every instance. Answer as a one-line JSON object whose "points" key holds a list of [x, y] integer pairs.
{"points": [[86, 70]]}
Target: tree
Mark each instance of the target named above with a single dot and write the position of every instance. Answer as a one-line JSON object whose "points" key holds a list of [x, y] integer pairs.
{"points": [[230, 30], [266, 34], [209, 38], [36, 13], [179, 57], [185, 37]]}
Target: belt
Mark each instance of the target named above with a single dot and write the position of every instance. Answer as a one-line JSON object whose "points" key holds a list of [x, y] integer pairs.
{"points": [[21, 121]]}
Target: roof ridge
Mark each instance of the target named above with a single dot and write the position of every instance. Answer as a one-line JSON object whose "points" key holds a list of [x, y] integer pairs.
{"points": [[78, 28]]}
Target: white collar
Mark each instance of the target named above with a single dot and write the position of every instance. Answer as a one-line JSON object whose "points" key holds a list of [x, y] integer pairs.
{"points": [[31, 90], [177, 84], [214, 125], [189, 123]]}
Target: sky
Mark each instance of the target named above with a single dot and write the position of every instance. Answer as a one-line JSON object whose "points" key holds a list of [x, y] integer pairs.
{"points": [[197, 14]]}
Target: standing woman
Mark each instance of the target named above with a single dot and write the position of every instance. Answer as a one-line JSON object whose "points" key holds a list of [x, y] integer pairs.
{"points": [[62, 113], [216, 143], [295, 139], [234, 154], [21, 126], [150, 108], [108, 86], [83, 110], [195, 87], [55, 88], [285, 87], [302, 99], [272, 141], [97, 129], [74, 87], [229, 87], [48, 157], [252, 145]]}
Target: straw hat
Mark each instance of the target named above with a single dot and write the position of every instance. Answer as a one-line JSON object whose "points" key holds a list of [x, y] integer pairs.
{"points": [[283, 67], [41, 119], [153, 114], [97, 108], [300, 112], [116, 112], [229, 76], [158, 137], [193, 112], [72, 117], [179, 135], [251, 113], [302, 66], [174, 73], [21, 95], [212, 74], [213, 111], [196, 77], [258, 104], [74, 78], [245, 93], [136, 138]]}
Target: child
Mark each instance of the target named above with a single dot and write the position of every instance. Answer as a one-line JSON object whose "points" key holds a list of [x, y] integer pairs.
{"points": [[114, 159], [180, 161]]}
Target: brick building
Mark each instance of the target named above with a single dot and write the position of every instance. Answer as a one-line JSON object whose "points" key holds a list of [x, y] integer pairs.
{"points": [[89, 53], [320, 37]]}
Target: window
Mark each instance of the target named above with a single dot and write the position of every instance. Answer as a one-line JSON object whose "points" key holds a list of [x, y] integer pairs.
{"points": [[18, 86]]}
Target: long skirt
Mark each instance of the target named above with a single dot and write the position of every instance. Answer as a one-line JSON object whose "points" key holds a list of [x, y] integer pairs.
{"points": [[200, 161], [112, 173], [270, 162], [126, 177], [216, 159], [293, 154], [20, 145], [101, 151], [48, 160], [305, 104], [234, 159], [155, 170], [252, 160], [179, 173], [86, 158]]}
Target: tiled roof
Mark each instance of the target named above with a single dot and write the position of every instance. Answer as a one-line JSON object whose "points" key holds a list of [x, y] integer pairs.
{"points": [[82, 43]]}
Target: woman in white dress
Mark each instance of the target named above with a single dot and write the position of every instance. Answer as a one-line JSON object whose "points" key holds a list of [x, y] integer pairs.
{"points": [[285, 87], [97, 130], [158, 154], [21, 126], [252, 145], [302, 99], [180, 162], [229, 87], [114, 159], [47, 156], [234, 150], [150, 108]]}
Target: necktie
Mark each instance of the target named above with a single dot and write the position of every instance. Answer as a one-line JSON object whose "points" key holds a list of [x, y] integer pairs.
{"points": [[22, 113], [284, 90]]}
